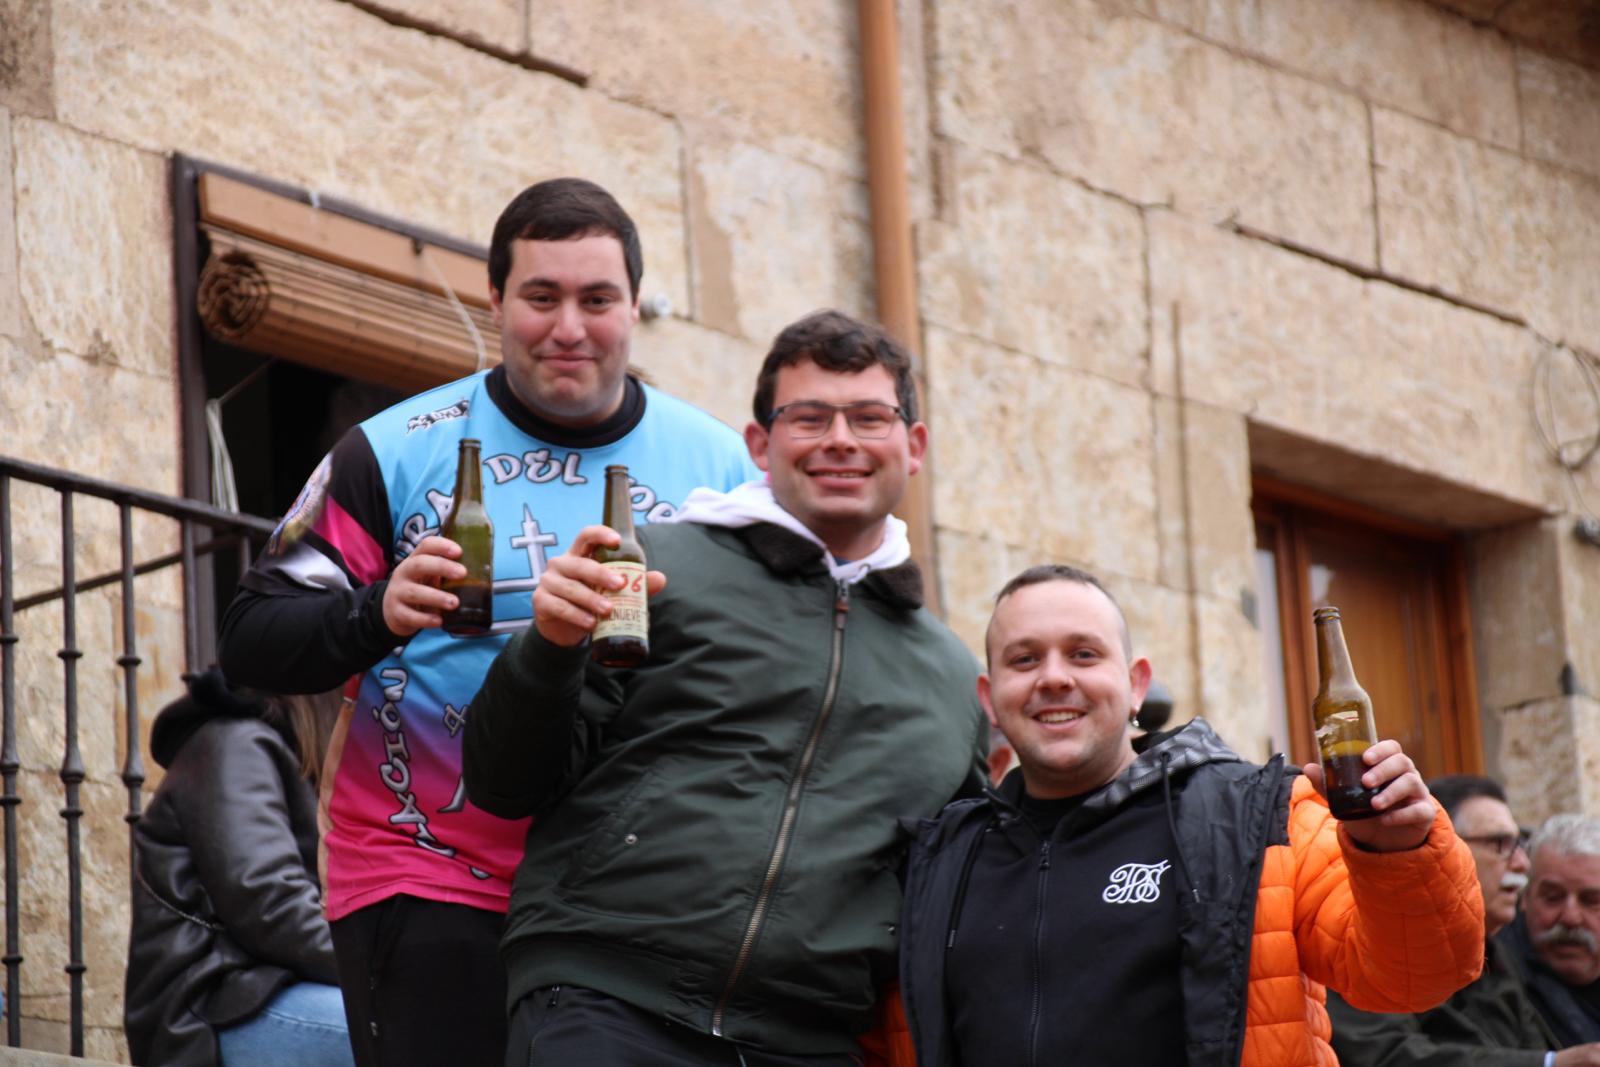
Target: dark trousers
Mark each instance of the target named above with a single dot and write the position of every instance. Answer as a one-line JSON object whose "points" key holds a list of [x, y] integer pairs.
{"points": [[561, 1026], [423, 985]]}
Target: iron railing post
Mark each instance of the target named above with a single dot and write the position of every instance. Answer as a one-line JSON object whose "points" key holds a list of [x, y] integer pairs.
{"points": [[191, 607], [9, 765], [133, 762], [72, 773]]}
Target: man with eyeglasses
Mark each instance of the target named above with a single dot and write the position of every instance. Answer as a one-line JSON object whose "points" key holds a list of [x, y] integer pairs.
{"points": [[1556, 939], [710, 877], [1495, 1021]]}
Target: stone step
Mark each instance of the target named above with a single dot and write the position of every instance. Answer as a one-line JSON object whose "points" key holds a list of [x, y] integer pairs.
{"points": [[25, 1057]]}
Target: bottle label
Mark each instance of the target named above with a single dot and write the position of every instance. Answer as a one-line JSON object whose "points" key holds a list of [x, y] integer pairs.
{"points": [[630, 616]]}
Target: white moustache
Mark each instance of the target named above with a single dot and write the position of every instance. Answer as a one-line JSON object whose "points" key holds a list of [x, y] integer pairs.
{"points": [[1513, 882], [1561, 934]]}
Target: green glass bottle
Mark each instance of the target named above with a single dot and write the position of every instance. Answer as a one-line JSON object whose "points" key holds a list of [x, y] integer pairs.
{"points": [[468, 525]]}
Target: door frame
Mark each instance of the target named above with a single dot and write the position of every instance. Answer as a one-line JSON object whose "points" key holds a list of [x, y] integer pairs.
{"points": [[1277, 506]]}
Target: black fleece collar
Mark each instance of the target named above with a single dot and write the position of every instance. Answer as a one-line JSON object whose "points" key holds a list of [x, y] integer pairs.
{"points": [[786, 552]]}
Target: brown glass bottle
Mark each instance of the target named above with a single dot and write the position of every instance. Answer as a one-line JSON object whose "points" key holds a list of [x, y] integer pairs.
{"points": [[622, 639], [1342, 714], [468, 525]]}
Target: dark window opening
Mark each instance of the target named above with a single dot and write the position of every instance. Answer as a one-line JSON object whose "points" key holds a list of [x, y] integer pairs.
{"points": [[278, 427]]}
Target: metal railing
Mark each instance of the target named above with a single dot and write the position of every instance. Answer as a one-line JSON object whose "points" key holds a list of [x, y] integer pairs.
{"points": [[227, 531]]}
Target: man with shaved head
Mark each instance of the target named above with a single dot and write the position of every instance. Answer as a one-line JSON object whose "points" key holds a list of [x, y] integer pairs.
{"points": [[1161, 901]]}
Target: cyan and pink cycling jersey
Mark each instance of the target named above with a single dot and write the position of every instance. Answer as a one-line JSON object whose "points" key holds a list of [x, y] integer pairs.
{"points": [[310, 613]]}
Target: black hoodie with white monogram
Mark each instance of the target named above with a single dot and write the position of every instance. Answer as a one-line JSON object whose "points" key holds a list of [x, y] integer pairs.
{"points": [[1113, 927]]}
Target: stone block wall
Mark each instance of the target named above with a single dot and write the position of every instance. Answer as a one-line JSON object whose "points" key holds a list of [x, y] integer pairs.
{"points": [[1166, 232], [731, 132], [1151, 236]]}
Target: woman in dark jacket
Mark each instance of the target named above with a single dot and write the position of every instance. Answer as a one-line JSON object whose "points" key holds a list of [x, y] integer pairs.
{"points": [[229, 958]]}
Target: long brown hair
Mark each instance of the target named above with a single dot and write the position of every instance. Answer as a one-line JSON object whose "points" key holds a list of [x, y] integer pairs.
{"points": [[311, 718]]}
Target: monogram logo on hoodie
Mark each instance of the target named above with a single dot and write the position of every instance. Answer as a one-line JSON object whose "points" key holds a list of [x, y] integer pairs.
{"points": [[1135, 883]]}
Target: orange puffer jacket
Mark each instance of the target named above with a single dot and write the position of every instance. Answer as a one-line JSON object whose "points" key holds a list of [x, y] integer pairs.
{"points": [[1391, 931], [1398, 932]]}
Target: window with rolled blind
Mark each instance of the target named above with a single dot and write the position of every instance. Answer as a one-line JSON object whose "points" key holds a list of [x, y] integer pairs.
{"points": [[299, 316]]}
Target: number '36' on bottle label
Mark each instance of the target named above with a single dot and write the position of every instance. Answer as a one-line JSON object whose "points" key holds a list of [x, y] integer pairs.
{"points": [[630, 617]]}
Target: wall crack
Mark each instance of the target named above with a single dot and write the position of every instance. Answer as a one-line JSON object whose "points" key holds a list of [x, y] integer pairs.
{"points": [[524, 59]]}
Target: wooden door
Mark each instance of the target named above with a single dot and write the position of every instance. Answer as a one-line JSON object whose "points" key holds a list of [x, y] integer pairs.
{"points": [[1399, 588]]}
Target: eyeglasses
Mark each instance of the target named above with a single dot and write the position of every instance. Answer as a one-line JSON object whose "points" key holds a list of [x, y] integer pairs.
{"points": [[1503, 844], [867, 419]]}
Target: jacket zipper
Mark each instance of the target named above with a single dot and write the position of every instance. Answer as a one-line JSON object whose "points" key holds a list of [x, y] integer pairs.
{"points": [[1038, 952], [555, 995], [791, 808]]}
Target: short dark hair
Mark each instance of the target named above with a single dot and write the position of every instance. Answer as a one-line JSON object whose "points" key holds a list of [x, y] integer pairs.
{"points": [[836, 342], [562, 209], [1450, 791], [1040, 573]]}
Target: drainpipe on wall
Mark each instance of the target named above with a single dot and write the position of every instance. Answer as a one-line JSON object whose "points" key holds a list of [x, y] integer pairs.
{"points": [[892, 253]]}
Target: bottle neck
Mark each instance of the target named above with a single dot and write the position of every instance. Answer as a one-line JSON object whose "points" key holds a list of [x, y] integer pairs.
{"points": [[469, 476], [619, 503], [1333, 658]]}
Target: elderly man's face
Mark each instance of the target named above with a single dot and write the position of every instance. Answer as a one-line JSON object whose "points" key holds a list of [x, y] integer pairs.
{"points": [[1486, 825], [1563, 907]]}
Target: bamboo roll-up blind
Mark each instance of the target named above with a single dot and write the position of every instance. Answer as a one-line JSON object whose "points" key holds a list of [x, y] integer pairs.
{"points": [[284, 303], [290, 280]]}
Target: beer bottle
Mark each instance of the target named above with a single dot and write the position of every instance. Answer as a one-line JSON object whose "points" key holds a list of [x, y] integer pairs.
{"points": [[622, 639], [1342, 714], [468, 525]]}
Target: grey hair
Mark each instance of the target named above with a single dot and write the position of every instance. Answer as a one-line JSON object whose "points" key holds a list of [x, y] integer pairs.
{"points": [[1567, 835]]}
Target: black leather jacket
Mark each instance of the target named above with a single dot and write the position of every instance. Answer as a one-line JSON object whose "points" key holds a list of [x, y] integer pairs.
{"points": [[226, 909]]}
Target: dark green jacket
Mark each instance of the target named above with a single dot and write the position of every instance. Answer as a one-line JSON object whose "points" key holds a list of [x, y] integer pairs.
{"points": [[716, 835], [1490, 1023]]}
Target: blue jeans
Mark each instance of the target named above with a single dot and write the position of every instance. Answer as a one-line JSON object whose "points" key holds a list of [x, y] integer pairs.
{"points": [[303, 1026]]}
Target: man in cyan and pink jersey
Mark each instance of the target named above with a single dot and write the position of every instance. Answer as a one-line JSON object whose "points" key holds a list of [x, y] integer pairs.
{"points": [[418, 878]]}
